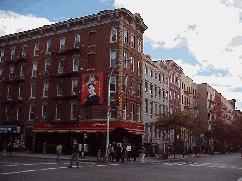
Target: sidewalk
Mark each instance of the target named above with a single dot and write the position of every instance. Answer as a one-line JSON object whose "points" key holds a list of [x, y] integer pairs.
{"points": [[93, 158]]}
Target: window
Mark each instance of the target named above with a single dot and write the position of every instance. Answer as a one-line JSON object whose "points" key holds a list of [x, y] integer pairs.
{"points": [[166, 95], [138, 67], [61, 66], [58, 111], [151, 90], [155, 109], [44, 111], [74, 90], [73, 111], [19, 112], [132, 86], [139, 89], [13, 53], [146, 86], [45, 90], [113, 37], [31, 112], [113, 110], [146, 106], [20, 91], [151, 107], [125, 59], [36, 49], [155, 91], [1, 73], [48, 46], [2, 56], [34, 70], [59, 90], [22, 71], [132, 41], [75, 63], [76, 41], [131, 111], [139, 45], [8, 113], [146, 70], [125, 78], [125, 35], [113, 83], [62, 43], [11, 70], [132, 64], [24, 51], [33, 89], [9, 93], [113, 58], [47, 67], [124, 112], [159, 93], [138, 113]]}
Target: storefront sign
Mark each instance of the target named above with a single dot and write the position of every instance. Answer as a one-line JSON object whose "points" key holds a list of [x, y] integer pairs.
{"points": [[10, 129]]}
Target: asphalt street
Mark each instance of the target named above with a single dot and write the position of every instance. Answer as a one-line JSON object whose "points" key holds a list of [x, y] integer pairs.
{"points": [[226, 167]]}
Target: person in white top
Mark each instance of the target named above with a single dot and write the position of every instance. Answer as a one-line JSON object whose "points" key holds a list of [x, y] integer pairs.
{"points": [[128, 149]]}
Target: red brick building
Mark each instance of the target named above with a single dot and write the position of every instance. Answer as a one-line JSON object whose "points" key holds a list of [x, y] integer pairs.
{"points": [[54, 81]]}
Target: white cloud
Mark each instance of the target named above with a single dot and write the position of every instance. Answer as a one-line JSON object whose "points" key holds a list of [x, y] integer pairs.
{"points": [[210, 29], [11, 22]]}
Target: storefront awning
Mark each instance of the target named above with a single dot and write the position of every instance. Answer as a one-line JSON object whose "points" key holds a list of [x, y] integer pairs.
{"points": [[88, 127]]}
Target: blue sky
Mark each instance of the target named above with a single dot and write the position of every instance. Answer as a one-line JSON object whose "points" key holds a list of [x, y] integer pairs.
{"points": [[208, 49]]}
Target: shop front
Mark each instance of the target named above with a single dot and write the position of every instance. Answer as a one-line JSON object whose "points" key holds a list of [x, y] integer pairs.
{"points": [[92, 134]]}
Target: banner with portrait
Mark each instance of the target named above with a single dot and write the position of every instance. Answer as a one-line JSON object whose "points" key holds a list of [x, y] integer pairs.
{"points": [[92, 89]]}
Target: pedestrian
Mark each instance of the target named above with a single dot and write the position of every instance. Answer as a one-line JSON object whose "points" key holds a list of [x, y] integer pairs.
{"points": [[128, 149], [123, 152], [75, 153], [10, 147], [134, 152], [59, 150], [111, 153], [44, 148], [4, 148], [119, 152], [142, 154]]}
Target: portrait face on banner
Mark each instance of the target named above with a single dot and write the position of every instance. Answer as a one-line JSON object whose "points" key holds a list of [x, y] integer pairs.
{"points": [[92, 89]]}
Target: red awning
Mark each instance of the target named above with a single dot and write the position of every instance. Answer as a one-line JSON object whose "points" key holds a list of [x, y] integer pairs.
{"points": [[88, 127]]}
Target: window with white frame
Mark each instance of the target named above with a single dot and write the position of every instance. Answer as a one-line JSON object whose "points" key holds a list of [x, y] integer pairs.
{"points": [[73, 111], [1, 73], [48, 46], [139, 45], [138, 113], [36, 49], [22, 71], [132, 40], [59, 90], [125, 59], [24, 50], [1, 55], [113, 58], [113, 36], [124, 112], [132, 86], [75, 63], [138, 67], [125, 35], [7, 112], [132, 64], [11, 70], [112, 110], [34, 69], [61, 66], [139, 89], [146, 107], [9, 93], [113, 83], [19, 112], [44, 111], [74, 90], [58, 111], [125, 79], [33, 90], [77, 41], [31, 112], [47, 67], [13, 53], [45, 89], [131, 111], [62, 43], [20, 91]]}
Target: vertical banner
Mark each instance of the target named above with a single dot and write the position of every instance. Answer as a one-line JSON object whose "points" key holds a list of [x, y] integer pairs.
{"points": [[92, 89]]}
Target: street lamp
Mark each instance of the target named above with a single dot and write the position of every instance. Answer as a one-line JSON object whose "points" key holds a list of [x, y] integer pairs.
{"points": [[108, 111]]}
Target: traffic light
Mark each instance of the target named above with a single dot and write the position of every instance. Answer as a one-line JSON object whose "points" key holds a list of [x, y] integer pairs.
{"points": [[118, 100], [124, 100]]}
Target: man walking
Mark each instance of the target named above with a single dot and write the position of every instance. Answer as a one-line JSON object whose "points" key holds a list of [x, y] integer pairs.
{"points": [[128, 149], [75, 153], [59, 150]]}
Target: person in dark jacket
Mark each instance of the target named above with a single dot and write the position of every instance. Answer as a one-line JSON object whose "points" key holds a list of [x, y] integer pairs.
{"points": [[119, 152], [75, 153]]}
